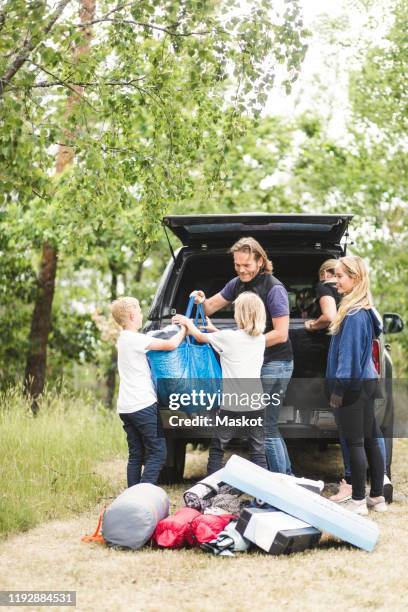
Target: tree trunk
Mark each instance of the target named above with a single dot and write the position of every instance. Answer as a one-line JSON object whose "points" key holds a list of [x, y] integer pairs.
{"points": [[40, 326], [111, 371], [34, 379]]}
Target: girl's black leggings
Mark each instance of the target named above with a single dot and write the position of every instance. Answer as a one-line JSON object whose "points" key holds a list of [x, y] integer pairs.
{"points": [[356, 422]]}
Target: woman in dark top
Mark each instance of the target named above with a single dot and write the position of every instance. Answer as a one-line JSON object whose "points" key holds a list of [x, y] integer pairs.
{"points": [[327, 298]]}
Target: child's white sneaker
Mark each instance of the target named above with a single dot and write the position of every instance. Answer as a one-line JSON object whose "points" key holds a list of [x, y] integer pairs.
{"points": [[377, 503], [358, 506]]}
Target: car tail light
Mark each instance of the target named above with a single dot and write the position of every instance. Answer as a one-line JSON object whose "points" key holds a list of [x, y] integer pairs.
{"points": [[376, 356]]}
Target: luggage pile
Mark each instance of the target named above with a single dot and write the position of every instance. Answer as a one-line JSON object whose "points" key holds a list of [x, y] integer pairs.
{"points": [[285, 515], [257, 524]]}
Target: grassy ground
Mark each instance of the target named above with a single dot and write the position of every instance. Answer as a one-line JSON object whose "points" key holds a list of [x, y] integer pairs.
{"points": [[335, 576], [47, 465]]}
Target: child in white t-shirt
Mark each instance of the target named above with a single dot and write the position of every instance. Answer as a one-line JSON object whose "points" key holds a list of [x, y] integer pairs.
{"points": [[137, 400], [241, 354]]}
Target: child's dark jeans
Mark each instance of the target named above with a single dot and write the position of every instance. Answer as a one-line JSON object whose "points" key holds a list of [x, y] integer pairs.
{"points": [[146, 443]]}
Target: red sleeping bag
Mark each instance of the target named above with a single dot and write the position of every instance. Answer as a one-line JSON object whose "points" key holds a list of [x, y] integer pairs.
{"points": [[171, 531], [206, 527], [188, 526]]}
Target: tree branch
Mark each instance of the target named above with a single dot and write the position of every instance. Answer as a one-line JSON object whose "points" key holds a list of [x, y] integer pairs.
{"points": [[64, 84], [30, 45], [118, 8], [146, 25]]}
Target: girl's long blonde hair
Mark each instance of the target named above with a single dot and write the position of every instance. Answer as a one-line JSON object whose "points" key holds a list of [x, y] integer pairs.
{"points": [[250, 313], [359, 297]]}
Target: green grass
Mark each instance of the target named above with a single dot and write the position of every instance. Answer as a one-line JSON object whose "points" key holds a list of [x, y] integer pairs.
{"points": [[48, 463]]}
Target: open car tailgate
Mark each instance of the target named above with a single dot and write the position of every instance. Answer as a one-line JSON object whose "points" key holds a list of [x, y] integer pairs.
{"points": [[268, 229]]}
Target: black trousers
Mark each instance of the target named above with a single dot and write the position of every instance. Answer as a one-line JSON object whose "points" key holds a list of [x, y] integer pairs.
{"points": [[357, 424], [254, 435]]}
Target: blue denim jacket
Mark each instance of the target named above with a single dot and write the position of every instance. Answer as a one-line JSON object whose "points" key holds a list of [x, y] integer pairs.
{"points": [[350, 354]]}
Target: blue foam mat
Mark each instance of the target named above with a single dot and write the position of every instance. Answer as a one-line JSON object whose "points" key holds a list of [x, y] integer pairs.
{"points": [[301, 503]]}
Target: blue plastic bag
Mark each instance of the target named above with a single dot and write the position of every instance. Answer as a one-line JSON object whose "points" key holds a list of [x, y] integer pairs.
{"points": [[191, 370]]}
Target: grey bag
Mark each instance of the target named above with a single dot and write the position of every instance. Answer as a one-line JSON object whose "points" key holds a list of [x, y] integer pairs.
{"points": [[132, 518]]}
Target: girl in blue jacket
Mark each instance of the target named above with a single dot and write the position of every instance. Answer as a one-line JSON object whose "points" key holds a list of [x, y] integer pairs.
{"points": [[352, 380]]}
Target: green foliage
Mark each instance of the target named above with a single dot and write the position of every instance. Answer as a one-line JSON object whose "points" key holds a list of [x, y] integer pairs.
{"points": [[17, 290], [48, 463], [74, 336], [154, 98], [253, 174], [378, 91], [150, 113]]}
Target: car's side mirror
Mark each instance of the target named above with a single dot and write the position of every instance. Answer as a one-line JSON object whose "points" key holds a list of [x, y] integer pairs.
{"points": [[392, 323]]}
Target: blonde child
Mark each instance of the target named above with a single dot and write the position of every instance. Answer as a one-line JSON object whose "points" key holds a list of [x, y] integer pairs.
{"points": [[241, 354], [137, 400]]}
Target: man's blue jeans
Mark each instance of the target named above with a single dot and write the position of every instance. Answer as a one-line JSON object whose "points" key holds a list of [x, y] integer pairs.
{"points": [[146, 445], [275, 376]]}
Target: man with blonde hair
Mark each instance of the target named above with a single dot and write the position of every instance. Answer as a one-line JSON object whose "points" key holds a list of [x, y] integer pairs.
{"points": [[254, 273], [137, 400]]}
